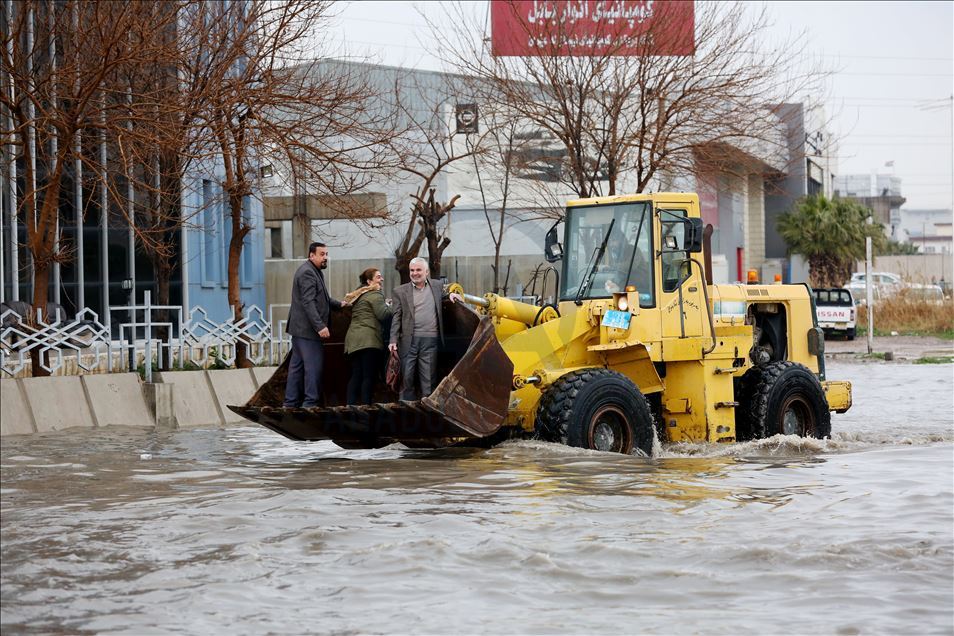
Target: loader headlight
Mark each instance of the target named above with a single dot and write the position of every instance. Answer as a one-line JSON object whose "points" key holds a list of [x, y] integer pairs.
{"points": [[622, 303]]}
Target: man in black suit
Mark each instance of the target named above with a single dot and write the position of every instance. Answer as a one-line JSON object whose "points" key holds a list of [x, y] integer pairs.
{"points": [[417, 328], [308, 325]]}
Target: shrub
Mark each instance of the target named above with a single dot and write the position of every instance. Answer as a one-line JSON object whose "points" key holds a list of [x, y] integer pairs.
{"points": [[906, 314]]}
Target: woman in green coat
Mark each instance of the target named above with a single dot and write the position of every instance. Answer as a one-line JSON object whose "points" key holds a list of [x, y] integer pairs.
{"points": [[363, 343]]}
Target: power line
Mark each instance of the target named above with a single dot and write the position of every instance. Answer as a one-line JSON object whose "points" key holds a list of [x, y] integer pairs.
{"points": [[379, 21], [882, 74], [888, 57], [910, 106], [901, 136], [894, 143], [900, 99]]}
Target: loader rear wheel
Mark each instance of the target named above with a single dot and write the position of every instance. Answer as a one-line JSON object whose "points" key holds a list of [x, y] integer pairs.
{"points": [[782, 398], [597, 409]]}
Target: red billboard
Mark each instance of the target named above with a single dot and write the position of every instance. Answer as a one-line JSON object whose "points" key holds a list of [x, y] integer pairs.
{"points": [[589, 28]]}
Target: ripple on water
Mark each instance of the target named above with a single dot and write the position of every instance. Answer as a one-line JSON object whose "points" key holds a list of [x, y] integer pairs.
{"points": [[239, 529]]}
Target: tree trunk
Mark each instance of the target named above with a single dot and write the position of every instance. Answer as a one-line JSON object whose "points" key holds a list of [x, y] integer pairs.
{"points": [[402, 257], [41, 234], [431, 212], [41, 277], [163, 272], [826, 270], [236, 243], [435, 252]]}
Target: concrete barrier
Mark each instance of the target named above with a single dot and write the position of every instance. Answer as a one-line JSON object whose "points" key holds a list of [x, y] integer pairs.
{"points": [[116, 399], [232, 386], [193, 401], [261, 375], [16, 418], [58, 403], [179, 399], [161, 404]]}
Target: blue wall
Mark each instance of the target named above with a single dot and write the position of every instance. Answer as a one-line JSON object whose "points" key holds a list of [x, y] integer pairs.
{"points": [[207, 252]]}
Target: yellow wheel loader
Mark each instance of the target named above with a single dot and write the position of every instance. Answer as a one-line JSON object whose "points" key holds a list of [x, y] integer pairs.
{"points": [[639, 344]]}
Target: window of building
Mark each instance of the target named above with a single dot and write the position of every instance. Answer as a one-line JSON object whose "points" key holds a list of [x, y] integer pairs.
{"points": [[245, 265], [537, 155], [814, 183], [209, 240], [273, 242]]}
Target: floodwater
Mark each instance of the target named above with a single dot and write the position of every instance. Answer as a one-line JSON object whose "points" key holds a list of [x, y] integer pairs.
{"points": [[241, 531]]}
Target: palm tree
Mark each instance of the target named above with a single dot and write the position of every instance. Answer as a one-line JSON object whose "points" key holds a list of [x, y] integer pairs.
{"points": [[830, 233]]}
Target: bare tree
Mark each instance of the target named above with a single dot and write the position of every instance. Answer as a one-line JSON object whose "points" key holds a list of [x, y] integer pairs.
{"points": [[262, 106], [61, 69], [428, 151], [166, 87], [627, 119], [502, 156], [164, 141]]}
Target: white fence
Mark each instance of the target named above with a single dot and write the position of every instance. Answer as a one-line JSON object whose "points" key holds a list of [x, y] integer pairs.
{"points": [[85, 345]]}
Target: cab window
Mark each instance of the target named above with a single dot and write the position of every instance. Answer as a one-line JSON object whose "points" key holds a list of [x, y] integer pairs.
{"points": [[626, 228], [674, 262]]}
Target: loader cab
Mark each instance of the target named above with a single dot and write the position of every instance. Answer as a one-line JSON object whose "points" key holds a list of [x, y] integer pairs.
{"points": [[650, 242], [608, 247]]}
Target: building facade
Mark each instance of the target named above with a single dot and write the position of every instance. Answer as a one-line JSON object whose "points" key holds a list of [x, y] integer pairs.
{"points": [[880, 193], [929, 230], [734, 200], [809, 170], [102, 263]]}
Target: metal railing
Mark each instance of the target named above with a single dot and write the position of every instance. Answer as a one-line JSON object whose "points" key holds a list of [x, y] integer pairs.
{"points": [[84, 344]]}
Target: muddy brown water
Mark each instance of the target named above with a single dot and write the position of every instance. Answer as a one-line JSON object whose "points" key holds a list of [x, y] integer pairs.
{"points": [[241, 531]]}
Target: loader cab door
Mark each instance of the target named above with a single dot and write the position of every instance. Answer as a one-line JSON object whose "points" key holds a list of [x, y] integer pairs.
{"points": [[681, 299]]}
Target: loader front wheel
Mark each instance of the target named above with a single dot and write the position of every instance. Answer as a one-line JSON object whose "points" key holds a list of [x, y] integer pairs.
{"points": [[597, 409], [783, 398]]}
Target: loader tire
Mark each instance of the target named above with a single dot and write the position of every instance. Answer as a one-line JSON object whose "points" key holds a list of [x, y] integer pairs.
{"points": [[597, 409], [745, 387], [782, 398]]}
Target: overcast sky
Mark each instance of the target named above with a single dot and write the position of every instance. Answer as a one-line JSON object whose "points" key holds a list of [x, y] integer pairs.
{"points": [[889, 101]]}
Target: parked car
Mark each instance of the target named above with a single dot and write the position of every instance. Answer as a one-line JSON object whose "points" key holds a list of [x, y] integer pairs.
{"points": [[858, 292], [927, 293], [883, 279], [884, 284], [835, 311]]}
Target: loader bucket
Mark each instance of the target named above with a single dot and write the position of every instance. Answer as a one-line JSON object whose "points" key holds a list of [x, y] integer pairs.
{"points": [[469, 402]]}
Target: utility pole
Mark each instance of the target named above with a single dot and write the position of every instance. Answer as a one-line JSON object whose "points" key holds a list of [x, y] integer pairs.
{"points": [[868, 290]]}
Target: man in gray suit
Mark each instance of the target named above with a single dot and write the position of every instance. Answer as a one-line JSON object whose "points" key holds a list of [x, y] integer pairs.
{"points": [[308, 325], [417, 328]]}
